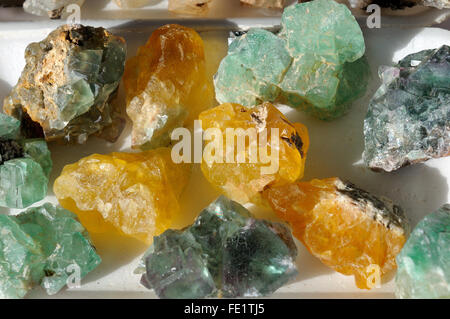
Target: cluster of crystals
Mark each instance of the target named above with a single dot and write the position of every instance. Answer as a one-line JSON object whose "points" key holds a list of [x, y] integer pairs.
{"points": [[134, 194], [43, 245], [348, 229], [68, 83], [275, 154], [224, 253], [25, 166], [275, 4], [166, 85], [54, 9], [424, 262], [399, 4], [408, 118], [316, 63]]}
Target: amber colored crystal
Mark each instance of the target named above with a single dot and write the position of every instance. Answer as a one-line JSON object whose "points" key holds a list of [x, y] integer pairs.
{"points": [[348, 229], [244, 181], [135, 194]]}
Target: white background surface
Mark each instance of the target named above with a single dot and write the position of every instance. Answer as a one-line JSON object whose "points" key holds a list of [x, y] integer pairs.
{"points": [[336, 149]]}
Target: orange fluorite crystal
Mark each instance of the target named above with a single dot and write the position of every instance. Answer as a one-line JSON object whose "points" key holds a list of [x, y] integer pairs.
{"points": [[135, 194], [243, 182], [166, 85], [350, 230]]}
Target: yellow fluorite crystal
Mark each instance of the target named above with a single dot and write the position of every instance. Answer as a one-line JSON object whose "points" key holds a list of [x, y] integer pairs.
{"points": [[166, 85], [244, 179], [135, 194], [350, 230]]}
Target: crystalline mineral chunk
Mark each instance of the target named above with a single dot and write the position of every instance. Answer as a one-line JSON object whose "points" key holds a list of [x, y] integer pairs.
{"points": [[348, 229], [135, 194], [39, 246], [225, 253], [54, 9], [316, 63], [257, 147], [408, 120], [166, 85], [68, 83], [424, 262]]}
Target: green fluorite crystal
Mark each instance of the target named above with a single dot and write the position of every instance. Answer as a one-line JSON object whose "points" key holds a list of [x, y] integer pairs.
{"points": [[225, 253], [68, 83], [39, 246], [424, 262], [25, 166], [316, 63]]}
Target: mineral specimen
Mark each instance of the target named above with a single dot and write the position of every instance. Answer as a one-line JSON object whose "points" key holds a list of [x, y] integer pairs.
{"points": [[135, 194], [408, 120], [269, 150], [400, 4], [25, 166], [43, 245], [54, 9], [192, 7], [166, 85], [316, 63], [224, 253], [68, 83], [424, 262], [277, 4], [348, 229]]}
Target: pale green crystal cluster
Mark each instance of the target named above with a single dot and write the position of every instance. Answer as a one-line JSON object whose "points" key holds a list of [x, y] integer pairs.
{"points": [[25, 166], [44, 245], [224, 253], [424, 262], [316, 63]]}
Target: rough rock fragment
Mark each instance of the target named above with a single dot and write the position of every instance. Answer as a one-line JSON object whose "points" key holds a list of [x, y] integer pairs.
{"points": [[68, 83], [25, 166], [316, 63], [135, 194], [274, 151], [43, 245], [54, 9], [424, 262], [192, 7], [224, 253], [276, 4], [348, 229], [166, 85], [408, 120]]}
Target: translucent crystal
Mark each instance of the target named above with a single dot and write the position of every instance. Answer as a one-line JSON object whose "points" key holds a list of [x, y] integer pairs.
{"points": [[424, 262], [225, 253], [68, 83], [9, 127], [316, 63], [135, 194], [43, 245], [348, 229], [192, 7], [166, 85], [54, 9], [243, 176], [408, 120]]}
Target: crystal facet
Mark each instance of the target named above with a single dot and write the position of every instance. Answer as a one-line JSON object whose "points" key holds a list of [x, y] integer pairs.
{"points": [[224, 253], [408, 120], [348, 229], [316, 63], [43, 245], [135, 194], [166, 85], [68, 83], [246, 174], [424, 262]]}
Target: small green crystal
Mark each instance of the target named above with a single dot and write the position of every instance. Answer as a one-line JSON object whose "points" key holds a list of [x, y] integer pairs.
{"points": [[43, 245], [225, 253], [316, 63], [424, 262], [25, 166]]}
